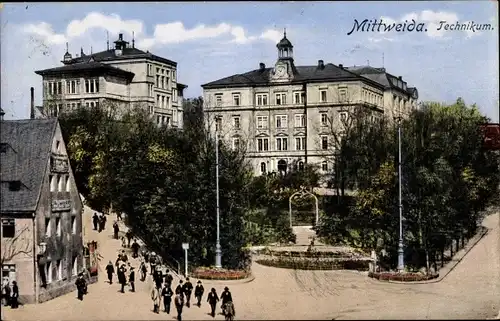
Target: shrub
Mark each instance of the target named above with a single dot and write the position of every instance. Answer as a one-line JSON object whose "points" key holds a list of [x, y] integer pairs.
{"points": [[315, 264], [211, 273], [402, 277], [312, 254]]}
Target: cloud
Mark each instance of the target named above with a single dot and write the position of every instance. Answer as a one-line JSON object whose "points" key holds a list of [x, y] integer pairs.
{"points": [[270, 34], [112, 23]]}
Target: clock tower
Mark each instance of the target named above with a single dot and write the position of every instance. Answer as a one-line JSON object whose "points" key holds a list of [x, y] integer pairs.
{"points": [[284, 68]]}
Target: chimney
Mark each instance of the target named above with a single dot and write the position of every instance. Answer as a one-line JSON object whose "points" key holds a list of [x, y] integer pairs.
{"points": [[400, 78], [341, 66], [32, 107], [262, 66], [321, 64]]}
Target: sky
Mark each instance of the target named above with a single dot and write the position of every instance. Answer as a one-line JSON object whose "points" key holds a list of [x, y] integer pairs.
{"points": [[214, 40]]}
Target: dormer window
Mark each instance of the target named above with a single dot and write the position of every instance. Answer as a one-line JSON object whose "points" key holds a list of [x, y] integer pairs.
{"points": [[3, 148], [14, 186]]}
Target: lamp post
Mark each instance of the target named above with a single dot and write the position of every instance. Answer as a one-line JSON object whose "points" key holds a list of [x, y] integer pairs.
{"points": [[218, 252], [401, 262]]}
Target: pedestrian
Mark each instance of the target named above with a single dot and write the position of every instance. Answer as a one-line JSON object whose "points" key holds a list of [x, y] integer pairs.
{"points": [[187, 289], [131, 279], [6, 291], [143, 270], [135, 249], [212, 299], [119, 216], [167, 293], [225, 298], [169, 278], [122, 278], [110, 270], [95, 220], [80, 286], [116, 229], [145, 255], [198, 292], [152, 262], [178, 289], [128, 235], [155, 296], [179, 302], [124, 256], [14, 303], [157, 277], [101, 223]]}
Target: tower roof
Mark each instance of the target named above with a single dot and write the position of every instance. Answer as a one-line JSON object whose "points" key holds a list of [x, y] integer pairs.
{"points": [[284, 43]]}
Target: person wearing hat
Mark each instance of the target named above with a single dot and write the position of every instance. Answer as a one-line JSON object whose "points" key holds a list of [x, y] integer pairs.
{"points": [[14, 304], [116, 229], [122, 278], [167, 293], [187, 289], [6, 291], [168, 278], [225, 298], [80, 286], [143, 270], [179, 303], [110, 270], [131, 279], [155, 296], [198, 292], [212, 299]]}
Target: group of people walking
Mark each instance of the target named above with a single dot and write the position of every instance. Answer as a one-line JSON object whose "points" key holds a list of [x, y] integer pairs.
{"points": [[10, 295], [99, 221], [122, 265]]}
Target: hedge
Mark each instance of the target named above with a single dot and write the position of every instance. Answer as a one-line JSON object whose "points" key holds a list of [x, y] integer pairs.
{"points": [[402, 277], [307, 264], [312, 254], [219, 274]]}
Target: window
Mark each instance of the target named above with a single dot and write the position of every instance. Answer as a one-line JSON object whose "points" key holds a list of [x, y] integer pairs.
{"points": [[58, 226], [73, 224], [168, 102], [59, 87], [8, 227], [218, 123], [281, 143], [322, 96], [158, 120], [59, 269], [68, 185], [281, 121], [343, 95], [163, 102], [157, 83], [48, 227], [150, 89], [281, 99], [301, 166], [53, 183], [298, 97], [75, 265], [48, 272], [173, 75], [300, 120], [60, 183], [236, 122], [343, 116], [236, 99], [9, 272], [262, 168], [261, 99], [174, 94], [218, 100], [324, 166], [174, 116], [72, 86], [58, 145], [91, 85], [151, 109], [324, 119], [163, 83], [300, 143], [3, 148], [163, 120], [263, 144], [324, 142], [262, 122], [236, 143]]}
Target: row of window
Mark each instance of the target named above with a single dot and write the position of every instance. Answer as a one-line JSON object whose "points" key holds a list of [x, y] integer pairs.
{"points": [[160, 72], [282, 143], [371, 98], [281, 98], [263, 167], [53, 271], [72, 87], [59, 183], [163, 101], [56, 109], [49, 228], [281, 121]]}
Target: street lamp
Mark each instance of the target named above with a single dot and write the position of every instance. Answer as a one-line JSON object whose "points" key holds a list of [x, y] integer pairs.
{"points": [[218, 251], [401, 262]]}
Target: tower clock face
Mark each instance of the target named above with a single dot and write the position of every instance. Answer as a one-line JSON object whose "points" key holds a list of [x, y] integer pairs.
{"points": [[280, 71]]}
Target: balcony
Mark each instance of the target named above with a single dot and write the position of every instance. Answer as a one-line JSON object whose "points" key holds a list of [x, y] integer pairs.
{"points": [[60, 205], [59, 163]]}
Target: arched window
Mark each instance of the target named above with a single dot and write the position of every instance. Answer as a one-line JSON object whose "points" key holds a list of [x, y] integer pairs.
{"points": [[301, 166], [262, 168], [282, 166], [324, 166]]}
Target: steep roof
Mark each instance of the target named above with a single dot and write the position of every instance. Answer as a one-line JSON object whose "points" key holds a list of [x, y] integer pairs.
{"points": [[127, 53], [92, 66], [380, 76], [301, 74], [26, 158]]}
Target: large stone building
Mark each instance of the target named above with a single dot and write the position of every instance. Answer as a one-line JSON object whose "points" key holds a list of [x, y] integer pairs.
{"points": [[41, 210], [285, 114], [124, 77]]}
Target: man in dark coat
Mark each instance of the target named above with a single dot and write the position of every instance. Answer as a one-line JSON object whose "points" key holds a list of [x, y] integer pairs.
{"points": [[122, 278], [187, 289], [6, 292], [116, 229], [95, 220], [143, 270], [169, 278], [167, 297], [128, 235], [225, 298], [198, 292], [110, 270], [212, 299], [135, 249], [124, 256], [152, 262], [14, 303], [178, 289], [131, 279], [103, 221], [179, 302], [80, 286]]}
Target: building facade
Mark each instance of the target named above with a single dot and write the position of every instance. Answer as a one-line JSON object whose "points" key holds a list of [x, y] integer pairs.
{"points": [[123, 78], [285, 114], [41, 210]]}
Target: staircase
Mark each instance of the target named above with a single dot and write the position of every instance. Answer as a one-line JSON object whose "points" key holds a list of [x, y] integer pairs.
{"points": [[304, 235]]}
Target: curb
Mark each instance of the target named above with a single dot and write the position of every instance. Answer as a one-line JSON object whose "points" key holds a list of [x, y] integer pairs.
{"points": [[454, 262]]}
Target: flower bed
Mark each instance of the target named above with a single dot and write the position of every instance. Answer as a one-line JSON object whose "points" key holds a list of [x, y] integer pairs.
{"points": [[402, 277], [315, 263], [207, 273], [312, 254]]}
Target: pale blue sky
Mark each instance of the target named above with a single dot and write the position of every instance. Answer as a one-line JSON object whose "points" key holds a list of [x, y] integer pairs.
{"points": [[214, 40]]}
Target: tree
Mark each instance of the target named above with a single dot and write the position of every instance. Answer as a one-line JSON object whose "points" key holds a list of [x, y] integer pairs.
{"points": [[20, 244]]}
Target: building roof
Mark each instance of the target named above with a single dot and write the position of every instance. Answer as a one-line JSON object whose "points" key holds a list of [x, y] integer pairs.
{"points": [[92, 66], [26, 159], [301, 74], [382, 77], [127, 53]]}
